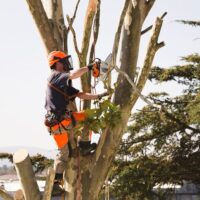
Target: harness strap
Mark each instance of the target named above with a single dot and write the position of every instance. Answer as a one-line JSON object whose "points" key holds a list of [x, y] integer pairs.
{"points": [[60, 91]]}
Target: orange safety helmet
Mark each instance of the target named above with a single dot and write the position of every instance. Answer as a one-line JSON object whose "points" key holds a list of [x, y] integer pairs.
{"points": [[55, 56]]}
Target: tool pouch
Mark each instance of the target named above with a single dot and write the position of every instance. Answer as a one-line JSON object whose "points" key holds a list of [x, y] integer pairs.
{"points": [[50, 120]]}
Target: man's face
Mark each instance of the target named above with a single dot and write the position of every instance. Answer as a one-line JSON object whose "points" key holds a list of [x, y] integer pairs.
{"points": [[60, 67], [64, 64]]}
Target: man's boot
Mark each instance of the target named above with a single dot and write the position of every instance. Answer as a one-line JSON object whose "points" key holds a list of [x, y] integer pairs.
{"points": [[86, 148], [58, 185]]}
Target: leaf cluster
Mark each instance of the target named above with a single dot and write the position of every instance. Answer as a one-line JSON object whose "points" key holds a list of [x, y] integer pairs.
{"points": [[40, 162], [98, 118]]}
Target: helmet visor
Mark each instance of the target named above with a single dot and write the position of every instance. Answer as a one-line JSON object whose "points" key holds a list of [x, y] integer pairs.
{"points": [[67, 62]]}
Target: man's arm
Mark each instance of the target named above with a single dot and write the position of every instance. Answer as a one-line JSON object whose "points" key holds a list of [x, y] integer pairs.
{"points": [[89, 96], [78, 73]]}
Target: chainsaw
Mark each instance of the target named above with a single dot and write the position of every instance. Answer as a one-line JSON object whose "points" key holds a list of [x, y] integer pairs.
{"points": [[100, 67]]}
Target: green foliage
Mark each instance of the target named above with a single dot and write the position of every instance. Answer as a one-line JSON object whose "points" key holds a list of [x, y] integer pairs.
{"points": [[189, 22], [136, 179], [183, 74], [98, 118], [163, 146], [40, 163], [6, 156]]}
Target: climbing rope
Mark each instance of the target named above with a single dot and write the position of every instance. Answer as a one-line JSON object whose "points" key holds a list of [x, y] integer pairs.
{"points": [[78, 182]]}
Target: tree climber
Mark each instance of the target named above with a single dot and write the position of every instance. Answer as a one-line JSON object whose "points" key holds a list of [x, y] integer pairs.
{"points": [[59, 119]]}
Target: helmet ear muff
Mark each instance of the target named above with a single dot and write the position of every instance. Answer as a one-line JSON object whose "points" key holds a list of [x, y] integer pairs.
{"points": [[53, 66]]}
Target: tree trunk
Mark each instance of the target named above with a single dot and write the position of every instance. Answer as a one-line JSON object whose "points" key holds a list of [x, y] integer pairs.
{"points": [[26, 175]]}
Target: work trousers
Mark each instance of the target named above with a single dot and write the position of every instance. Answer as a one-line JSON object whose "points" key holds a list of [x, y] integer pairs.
{"points": [[61, 140]]}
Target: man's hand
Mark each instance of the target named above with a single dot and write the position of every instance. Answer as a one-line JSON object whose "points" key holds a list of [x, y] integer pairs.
{"points": [[100, 96], [95, 67]]}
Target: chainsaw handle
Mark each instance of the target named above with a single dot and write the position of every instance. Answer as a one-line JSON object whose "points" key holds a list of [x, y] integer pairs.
{"points": [[96, 70], [96, 67]]}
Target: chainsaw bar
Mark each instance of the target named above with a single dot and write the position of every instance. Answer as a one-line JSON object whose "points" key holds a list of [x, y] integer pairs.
{"points": [[104, 67]]}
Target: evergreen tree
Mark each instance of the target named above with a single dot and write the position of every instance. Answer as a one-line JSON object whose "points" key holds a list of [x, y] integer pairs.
{"points": [[163, 146]]}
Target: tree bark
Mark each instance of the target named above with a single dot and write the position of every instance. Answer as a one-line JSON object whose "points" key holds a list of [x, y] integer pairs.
{"points": [[129, 52], [43, 24], [89, 18], [54, 11], [26, 175], [49, 184], [5, 195]]}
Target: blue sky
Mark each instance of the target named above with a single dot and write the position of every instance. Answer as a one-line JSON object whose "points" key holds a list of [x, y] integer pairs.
{"points": [[24, 69]]}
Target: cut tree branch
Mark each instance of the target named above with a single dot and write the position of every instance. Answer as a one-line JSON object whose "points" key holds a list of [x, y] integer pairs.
{"points": [[150, 27], [151, 51], [26, 175]]}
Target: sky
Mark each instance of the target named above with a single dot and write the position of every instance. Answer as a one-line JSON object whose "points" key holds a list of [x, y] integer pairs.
{"points": [[24, 69]]}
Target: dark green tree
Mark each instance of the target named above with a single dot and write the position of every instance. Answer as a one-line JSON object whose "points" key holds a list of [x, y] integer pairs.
{"points": [[163, 145]]}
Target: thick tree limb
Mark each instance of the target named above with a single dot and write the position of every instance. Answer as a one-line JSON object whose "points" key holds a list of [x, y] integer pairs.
{"points": [[116, 41], [151, 51], [129, 51], [90, 13], [113, 64], [55, 14], [43, 24], [148, 6], [5, 195], [95, 31]]}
